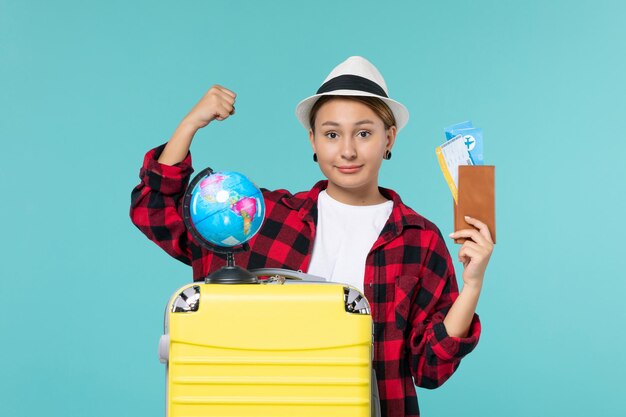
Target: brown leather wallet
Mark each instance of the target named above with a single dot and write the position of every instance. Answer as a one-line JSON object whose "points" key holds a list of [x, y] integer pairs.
{"points": [[476, 198]]}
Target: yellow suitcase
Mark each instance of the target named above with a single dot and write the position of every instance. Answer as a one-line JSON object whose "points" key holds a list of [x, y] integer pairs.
{"points": [[280, 348]]}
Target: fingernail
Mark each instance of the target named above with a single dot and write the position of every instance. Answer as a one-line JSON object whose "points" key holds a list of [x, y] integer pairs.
{"points": [[467, 217], [451, 234]]}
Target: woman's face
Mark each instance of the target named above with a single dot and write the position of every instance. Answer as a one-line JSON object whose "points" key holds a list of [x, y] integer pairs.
{"points": [[350, 140]]}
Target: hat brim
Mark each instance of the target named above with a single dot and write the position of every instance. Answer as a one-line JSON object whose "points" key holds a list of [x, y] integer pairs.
{"points": [[303, 109]]}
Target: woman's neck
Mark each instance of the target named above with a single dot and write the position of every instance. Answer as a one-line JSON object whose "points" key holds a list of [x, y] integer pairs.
{"points": [[366, 196]]}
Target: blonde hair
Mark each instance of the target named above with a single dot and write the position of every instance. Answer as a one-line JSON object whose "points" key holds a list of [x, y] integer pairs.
{"points": [[374, 103]]}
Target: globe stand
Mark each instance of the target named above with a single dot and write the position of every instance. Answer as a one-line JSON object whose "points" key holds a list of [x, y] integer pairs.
{"points": [[231, 273]]}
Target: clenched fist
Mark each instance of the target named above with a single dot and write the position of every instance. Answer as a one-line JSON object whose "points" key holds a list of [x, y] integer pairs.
{"points": [[217, 104]]}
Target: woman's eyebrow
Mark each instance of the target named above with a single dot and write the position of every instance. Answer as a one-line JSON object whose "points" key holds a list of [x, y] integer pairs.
{"points": [[359, 123]]}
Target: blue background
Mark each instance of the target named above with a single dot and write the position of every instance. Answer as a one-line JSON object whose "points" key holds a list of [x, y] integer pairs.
{"points": [[87, 87]]}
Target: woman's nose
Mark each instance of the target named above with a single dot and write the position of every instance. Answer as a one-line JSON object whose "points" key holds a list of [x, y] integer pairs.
{"points": [[348, 150]]}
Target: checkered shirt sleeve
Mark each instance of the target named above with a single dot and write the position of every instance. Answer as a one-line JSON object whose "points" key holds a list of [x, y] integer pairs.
{"points": [[435, 355], [156, 204]]}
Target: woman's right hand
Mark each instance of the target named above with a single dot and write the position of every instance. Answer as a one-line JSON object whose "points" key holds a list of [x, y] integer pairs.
{"points": [[217, 104]]}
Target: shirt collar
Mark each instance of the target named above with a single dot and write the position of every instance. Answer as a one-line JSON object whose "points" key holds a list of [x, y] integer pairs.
{"points": [[401, 216]]}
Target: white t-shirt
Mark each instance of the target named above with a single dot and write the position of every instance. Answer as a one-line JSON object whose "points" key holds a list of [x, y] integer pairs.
{"points": [[344, 236]]}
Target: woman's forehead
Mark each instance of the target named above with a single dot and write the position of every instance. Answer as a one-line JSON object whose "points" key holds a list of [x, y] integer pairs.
{"points": [[344, 111]]}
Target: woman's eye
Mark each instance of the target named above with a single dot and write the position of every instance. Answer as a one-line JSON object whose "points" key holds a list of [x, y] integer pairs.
{"points": [[331, 135], [363, 133]]}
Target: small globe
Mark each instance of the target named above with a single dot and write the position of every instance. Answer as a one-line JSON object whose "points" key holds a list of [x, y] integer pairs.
{"points": [[225, 208]]}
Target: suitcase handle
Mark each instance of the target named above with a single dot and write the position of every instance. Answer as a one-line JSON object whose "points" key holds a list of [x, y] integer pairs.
{"points": [[286, 273]]}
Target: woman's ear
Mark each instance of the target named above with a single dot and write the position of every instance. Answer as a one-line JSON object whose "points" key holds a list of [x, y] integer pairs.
{"points": [[391, 137], [312, 139]]}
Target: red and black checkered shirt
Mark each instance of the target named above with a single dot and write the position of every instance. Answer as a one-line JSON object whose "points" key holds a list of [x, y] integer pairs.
{"points": [[409, 277]]}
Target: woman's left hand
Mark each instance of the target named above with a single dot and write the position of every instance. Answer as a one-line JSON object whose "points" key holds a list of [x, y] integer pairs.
{"points": [[475, 251]]}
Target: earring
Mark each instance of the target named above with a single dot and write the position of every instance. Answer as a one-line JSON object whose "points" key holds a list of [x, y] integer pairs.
{"points": [[387, 155], [315, 157]]}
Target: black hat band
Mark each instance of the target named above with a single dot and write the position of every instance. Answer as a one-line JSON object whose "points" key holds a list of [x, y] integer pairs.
{"points": [[352, 82]]}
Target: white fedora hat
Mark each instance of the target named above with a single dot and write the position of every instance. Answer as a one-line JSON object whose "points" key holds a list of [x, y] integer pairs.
{"points": [[355, 76]]}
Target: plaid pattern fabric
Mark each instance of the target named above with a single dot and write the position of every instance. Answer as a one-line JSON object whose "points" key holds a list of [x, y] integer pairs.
{"points": [[409, 277]]}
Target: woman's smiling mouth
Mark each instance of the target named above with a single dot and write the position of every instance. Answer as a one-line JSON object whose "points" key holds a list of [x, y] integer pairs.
{"points": [[349, 169]]}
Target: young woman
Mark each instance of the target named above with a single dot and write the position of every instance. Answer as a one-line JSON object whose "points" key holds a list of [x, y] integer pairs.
{"points": [[346, 228]]}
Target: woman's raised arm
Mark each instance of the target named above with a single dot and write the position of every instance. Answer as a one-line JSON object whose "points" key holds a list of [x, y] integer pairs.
{"points": [[217, 104]]}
